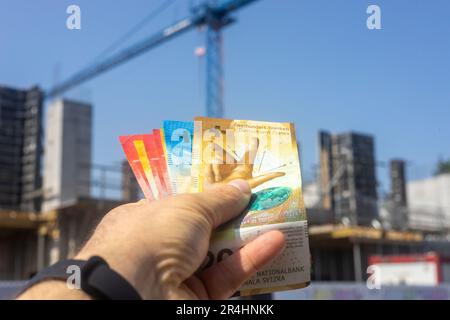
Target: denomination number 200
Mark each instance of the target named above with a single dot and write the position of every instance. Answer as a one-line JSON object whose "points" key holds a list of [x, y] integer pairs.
{"points": [[210, 259]]}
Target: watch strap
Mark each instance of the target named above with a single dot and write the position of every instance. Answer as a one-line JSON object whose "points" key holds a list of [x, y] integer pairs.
{"points": [[97, 279]]}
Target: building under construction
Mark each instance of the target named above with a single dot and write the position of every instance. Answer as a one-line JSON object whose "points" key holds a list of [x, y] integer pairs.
{"points": [[348, 179], [34, 234], [20, 179], [341, 253], [20, 148]]}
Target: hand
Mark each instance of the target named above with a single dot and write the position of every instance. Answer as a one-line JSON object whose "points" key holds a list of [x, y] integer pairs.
{"points": [[158, 246], [221, 171]]}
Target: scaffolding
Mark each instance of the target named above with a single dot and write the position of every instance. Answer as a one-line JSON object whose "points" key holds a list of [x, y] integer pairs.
{"points": [[348, 178], [20, 148]]}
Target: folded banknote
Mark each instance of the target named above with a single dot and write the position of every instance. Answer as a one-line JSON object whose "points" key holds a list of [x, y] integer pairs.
{"points": [[265, 154]]}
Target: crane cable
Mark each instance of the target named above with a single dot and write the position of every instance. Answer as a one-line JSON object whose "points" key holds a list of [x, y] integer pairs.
{"points": [[152, 15]]}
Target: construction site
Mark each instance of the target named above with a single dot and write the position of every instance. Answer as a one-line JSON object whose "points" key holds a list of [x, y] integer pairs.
{"points": [[52, 195], [53, 215]]}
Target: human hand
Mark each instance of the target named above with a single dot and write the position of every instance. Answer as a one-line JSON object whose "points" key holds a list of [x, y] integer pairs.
{"points": [[158, 246], [219, 170]]}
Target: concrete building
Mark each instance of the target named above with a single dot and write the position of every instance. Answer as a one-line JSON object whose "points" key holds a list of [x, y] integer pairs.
{"points": [[67, 166], [20, 148], [20, 179], [429, 203], [348, 178], [393, 209], [397, 174]]}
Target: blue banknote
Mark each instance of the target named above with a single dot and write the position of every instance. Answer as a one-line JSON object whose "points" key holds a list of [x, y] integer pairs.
{"points": [[178, 136]]}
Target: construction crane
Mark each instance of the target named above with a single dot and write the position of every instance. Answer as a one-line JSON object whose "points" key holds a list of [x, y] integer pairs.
{"points": [[214, 14]]}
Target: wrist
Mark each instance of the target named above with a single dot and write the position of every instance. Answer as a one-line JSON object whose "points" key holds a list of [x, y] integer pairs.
{"points": [[53, 290], [93, 278], [138, 272]]}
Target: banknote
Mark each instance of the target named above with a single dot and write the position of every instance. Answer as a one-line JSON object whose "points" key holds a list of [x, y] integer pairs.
{"points": [[265, 154], [178, 136], [162, 163], [145, 148], [156, 170], [135, 151]]}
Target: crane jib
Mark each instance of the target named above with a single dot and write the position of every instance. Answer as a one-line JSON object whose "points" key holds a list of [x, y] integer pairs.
{"points": [[215, 16]]}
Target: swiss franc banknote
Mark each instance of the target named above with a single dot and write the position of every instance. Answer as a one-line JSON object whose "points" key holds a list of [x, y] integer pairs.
{"points": [[265, 154], [161, 163], [135, 148], [178, 136]]}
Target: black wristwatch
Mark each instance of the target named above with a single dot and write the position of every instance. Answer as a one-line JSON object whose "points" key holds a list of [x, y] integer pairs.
{"points": [[97, 279]]}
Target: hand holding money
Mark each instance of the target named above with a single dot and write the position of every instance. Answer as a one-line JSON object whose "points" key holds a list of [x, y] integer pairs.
{"points": [[174, 248], [190, 157], [158, 246]]}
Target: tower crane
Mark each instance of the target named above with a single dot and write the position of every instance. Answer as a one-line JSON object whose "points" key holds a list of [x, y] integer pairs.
{"points": [[214, 14]]}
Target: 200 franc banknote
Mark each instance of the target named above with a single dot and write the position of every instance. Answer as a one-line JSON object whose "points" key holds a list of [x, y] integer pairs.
{"points": [[265, 154]]}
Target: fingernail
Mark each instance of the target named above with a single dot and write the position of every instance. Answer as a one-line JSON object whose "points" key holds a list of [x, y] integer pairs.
{"points": [[242, 185]]}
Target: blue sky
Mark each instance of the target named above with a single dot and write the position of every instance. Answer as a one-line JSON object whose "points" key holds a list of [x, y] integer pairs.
{"points": [[312, 62]]}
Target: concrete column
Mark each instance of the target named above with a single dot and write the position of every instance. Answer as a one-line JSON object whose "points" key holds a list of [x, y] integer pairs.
{"points": [[357, 262], [317, 265], [40, 249]]}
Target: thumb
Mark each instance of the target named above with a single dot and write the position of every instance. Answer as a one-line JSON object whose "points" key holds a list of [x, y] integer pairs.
{"points": [[221, 202]]}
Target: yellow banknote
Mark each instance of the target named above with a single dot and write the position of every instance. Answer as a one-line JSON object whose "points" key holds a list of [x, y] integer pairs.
{"points": [[265, 154]]}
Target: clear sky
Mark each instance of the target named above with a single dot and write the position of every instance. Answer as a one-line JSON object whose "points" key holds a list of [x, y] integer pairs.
{"points": [[312, 62]]}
